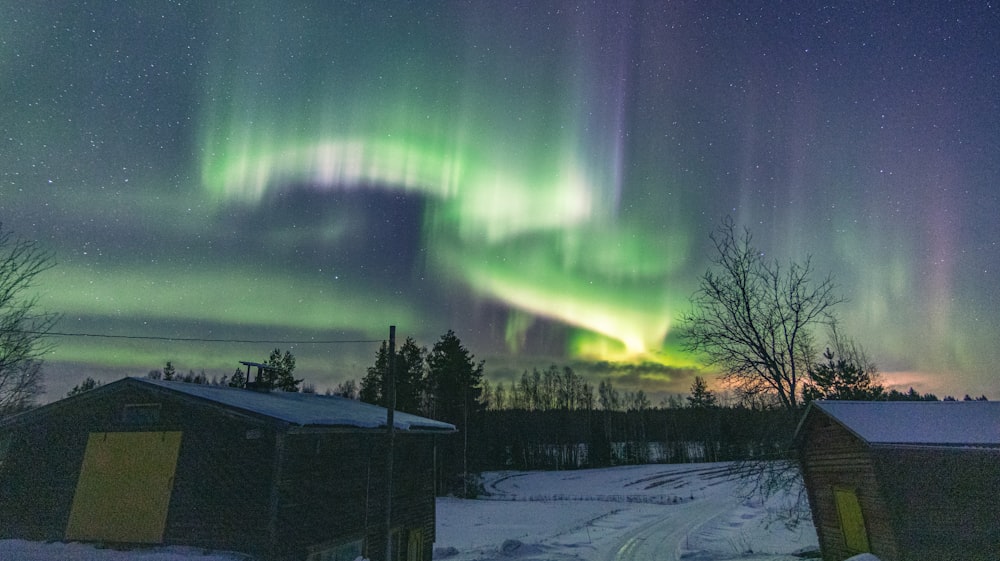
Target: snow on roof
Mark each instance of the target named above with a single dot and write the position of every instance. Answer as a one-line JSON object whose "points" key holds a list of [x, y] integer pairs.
{"points": [[302, 408], [934, 423]]}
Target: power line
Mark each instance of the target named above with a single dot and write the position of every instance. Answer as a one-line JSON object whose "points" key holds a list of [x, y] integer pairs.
{"points": [[201, 339]]}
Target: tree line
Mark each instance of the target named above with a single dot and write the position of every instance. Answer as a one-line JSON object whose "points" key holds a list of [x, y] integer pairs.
{"points": [[755, 321], [276, 373]]}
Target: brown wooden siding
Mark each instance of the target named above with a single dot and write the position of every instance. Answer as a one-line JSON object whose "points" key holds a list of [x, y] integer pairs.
{"points": [[947, 501], [38, 480], [832, 457], [332, 490], [209, 505], [223, 476], [242, 482], [918, 502]]}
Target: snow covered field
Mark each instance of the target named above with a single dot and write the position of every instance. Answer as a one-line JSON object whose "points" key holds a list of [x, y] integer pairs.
{"points": [[647, 513], [643, 513]]}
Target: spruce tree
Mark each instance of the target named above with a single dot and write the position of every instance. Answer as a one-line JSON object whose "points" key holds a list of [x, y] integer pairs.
{"points": [[169, 372], [281, 376], [701, 397], [410, 375], [455, 380], [410, 379], [373, 382], [455, 385], [842, 378], [84, 386]]}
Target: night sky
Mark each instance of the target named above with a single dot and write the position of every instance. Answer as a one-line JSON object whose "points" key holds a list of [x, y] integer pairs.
{"points": [[541, 177]]}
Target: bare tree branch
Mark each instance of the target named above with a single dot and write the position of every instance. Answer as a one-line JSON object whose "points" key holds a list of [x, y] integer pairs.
{"points": [[754, 318], [22, 325]]}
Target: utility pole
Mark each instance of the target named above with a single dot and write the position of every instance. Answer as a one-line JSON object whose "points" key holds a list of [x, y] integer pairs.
{"points": [[390, 394]]}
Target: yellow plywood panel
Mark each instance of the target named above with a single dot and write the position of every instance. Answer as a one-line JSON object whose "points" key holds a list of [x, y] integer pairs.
{"points": [[852, 522], [124, 488], [415, 549]]}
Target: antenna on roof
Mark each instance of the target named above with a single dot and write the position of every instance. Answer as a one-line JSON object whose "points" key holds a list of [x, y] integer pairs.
{"points": [[259, 383]]}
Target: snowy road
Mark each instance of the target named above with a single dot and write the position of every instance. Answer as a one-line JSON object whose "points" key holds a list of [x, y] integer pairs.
{"points": [[666, 539], [636, 513], [714, 526]]}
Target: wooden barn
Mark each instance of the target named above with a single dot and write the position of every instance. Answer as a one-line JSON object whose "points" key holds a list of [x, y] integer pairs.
{"points": [[905, 480], [280, 476]]}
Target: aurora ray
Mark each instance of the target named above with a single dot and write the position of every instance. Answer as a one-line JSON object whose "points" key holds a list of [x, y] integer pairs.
{"points": [[542, 178]]}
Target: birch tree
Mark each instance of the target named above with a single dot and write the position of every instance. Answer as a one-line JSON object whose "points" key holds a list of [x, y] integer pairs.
{"points": [[754, 319], [22, 324]]}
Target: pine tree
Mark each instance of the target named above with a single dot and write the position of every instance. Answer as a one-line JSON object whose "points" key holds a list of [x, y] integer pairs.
{"points": [[410, 381], [842, 378], [169, 372], [455, 381], [455, 385], [410, 377], [87, 385], [238, 380], [701, 397], [372, 384], [281, 376]]}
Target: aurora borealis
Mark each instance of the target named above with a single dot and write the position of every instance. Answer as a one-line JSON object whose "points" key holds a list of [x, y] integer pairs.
{"points": [[540, 177]]}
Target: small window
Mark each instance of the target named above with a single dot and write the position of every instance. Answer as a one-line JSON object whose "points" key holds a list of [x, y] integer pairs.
{"points": [[141, 414], [852, 521]]}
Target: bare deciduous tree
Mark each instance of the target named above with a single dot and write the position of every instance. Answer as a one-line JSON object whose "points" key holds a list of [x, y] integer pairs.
{"points": [[22, 324], [754, 318]]}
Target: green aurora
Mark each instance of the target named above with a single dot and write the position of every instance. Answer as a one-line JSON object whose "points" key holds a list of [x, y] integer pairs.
{"points": [[542, 180]]}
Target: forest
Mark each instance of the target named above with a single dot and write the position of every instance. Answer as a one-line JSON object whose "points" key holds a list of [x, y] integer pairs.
{"points": [[554, 419]]}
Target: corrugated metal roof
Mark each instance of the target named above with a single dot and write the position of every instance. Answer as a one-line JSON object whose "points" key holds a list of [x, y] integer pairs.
{"points": [[303, 409], [928, 423]]}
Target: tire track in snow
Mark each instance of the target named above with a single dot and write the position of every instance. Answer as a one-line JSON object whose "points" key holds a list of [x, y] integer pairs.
{"points": [[664, 539]]}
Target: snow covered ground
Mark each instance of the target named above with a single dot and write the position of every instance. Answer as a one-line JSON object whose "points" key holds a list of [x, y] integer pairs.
{"points": [[20, 550], [639, 513], [654, 512]]}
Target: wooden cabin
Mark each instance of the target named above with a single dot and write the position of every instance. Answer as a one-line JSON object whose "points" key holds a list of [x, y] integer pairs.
{"points": [[905, 480], [280, 476]]}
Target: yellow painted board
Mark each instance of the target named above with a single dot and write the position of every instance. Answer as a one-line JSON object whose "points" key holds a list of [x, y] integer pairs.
{"points": [[852, 521], [415, 549], [123, 492]]}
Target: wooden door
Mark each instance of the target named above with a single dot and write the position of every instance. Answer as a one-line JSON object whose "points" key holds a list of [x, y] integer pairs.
{"points": [[123, 492], [852, 521]]}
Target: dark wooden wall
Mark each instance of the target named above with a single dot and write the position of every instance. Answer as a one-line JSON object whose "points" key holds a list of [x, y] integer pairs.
{"points": [[216, 500], [39, 475], [947, 501], [241, 483], [333, 488], [222, 485], [918, 502], [832, 457]]}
